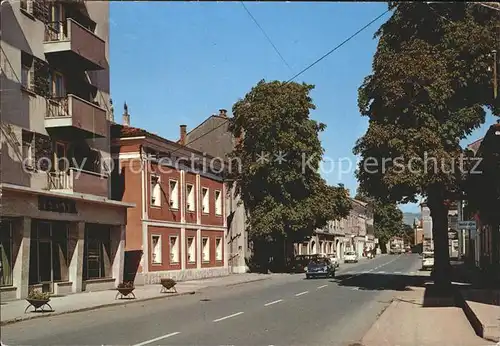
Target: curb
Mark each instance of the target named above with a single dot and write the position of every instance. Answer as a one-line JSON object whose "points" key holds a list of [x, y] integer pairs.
{"points": [[90, 308], [247, 282], [484, 331]]}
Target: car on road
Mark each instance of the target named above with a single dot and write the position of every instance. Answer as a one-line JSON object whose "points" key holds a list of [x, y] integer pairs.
{"points": [[300, 262], [350, 257], [427, 260], [320, 267]]}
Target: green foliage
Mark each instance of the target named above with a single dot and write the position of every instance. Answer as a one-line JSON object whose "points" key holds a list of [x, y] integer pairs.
{"points": [[288, 198], [429, 85]]}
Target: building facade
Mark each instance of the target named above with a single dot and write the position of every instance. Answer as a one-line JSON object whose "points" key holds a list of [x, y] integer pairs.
{"points": [[179, 221], [353, 233], [60, 231], [213, 137]]}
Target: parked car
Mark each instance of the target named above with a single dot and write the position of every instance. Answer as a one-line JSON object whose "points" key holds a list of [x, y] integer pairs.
{"points": [[320, 267], [333, 258], [350, 257], [427, 260]]}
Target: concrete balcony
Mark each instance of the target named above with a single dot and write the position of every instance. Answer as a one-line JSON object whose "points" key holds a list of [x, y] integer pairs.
{"points": [[78, 181], [73, 115], [69, 43]]}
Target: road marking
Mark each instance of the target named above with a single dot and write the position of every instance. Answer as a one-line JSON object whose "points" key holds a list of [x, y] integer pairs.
{"points": [[157, 339], [398, 272], [381, 272], [275, 302], [320, 287], [301, 293], [226, 317], [354, 288]]}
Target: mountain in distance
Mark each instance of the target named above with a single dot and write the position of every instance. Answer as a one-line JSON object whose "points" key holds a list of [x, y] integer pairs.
{"points": [[409, 218]]}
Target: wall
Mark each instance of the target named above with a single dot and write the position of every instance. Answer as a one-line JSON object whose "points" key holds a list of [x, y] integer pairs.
{"points": [[211, 218], [165, 234]]}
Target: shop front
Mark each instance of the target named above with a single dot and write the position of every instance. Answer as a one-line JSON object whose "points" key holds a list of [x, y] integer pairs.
{"points": [[59, 243]]}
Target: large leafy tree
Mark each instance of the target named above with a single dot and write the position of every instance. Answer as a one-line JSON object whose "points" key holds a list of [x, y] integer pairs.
{"points": [[280, 152], [430, 84], [387, 218]]}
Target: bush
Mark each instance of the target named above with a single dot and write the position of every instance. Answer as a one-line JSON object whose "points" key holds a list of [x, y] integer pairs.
{"points": [[38, 295], [126, 284]]}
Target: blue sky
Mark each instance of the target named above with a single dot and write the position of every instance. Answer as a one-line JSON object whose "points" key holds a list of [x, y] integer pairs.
{"points": [[177, 63]]}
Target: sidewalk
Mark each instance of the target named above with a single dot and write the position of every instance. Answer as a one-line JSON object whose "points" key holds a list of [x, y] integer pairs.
{"points": [[13, 311], [407, 323]]}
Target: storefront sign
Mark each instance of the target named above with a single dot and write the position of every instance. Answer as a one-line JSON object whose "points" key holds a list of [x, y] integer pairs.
{"points": [[57, 205]]}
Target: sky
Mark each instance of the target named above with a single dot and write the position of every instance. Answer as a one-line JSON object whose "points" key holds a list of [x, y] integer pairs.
{"points": [[179, 62]]}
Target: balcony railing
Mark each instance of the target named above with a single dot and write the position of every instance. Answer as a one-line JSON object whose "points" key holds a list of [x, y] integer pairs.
{"points": [[74, 112], [78, 181], [72, 39]]}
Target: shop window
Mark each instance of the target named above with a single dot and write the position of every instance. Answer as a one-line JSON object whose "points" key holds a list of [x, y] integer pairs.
{"points": [[156, 249], [190, 204], [174, 249], [191, 250], [6, 260], [218, 249], [174, 194], [218, 203], [206, 249], [205, 200], [155, 191], [97, 263]]}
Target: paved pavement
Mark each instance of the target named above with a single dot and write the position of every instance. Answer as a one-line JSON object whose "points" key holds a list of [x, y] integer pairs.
{"points": [[286, 310], [14, 310]]}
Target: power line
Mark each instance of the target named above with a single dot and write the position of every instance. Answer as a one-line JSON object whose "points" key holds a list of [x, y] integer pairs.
{"points": [[298, 74], [338, 46], [265, 34]]}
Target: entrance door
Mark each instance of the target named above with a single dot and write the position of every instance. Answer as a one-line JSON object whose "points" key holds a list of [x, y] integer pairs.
{"points": [[45, 264]]}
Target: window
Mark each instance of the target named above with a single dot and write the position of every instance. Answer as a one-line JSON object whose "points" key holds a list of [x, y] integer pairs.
{"points": [[205, 200], [56, 85], [191, 253], [218, 203], [206, 249], [27, 6], [190, 197], [28, 152], [156, 249], [155, 191], [61, 162], [174, 195], [218, 249], [174, 249], [6, 264]]}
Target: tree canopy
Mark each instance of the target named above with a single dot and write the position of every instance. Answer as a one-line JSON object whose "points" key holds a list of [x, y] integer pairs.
{"points": [[429, 88], [280, 152]]}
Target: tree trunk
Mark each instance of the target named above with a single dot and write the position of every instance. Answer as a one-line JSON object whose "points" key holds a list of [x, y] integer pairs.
{"points": [[439, 214]]}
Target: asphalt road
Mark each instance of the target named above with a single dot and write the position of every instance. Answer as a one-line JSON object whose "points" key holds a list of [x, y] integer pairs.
{"points": [[286, 310]]}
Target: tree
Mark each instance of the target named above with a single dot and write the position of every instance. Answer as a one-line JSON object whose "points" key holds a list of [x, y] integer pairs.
{"points": [[284, 195], [428, 89]]}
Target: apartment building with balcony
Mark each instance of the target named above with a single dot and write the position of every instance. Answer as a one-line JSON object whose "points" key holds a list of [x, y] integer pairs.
{"points": [[60, 231], [179, 223]]}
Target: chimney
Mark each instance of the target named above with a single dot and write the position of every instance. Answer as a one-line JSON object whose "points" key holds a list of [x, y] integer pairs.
{"points": [[223, 113], [126, 116], [182, 140]]}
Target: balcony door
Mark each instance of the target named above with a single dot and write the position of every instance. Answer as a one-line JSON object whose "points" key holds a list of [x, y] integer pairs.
{"points": [[57, 19], [61, 160]]}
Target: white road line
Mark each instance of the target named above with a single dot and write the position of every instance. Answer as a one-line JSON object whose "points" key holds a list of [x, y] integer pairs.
{"points": [[157, 339], [320, 287], [381, 272], [275, 302], [226, 317], [301, 293], [354, 288]]}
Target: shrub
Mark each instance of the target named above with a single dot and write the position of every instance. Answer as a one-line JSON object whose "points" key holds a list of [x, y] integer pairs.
{"points": [[38, 295]]}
